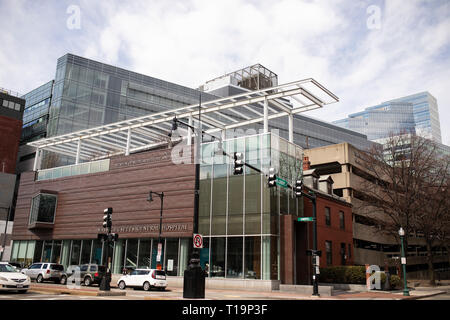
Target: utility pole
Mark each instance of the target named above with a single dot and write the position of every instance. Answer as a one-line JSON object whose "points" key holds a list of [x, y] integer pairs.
{"points": [[150, 199]]}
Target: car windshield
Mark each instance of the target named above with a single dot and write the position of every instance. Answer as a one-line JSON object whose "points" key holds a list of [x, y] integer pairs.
{"points": [[7, 268]]}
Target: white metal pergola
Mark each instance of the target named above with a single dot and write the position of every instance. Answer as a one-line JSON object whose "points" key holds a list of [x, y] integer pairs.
{"points": [[217, 116]]}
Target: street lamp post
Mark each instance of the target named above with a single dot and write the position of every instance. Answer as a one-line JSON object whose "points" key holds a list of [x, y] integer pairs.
{"points": [[401, 233], [150, 199]]}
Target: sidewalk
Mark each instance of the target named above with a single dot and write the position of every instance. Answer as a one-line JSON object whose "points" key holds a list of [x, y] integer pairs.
{"points": [[176, 293]]}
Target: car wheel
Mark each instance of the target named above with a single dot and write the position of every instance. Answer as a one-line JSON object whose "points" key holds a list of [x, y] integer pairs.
{"points": [[87, 281], [146, 286], [39, 278], [63, 280], [122, 285]]}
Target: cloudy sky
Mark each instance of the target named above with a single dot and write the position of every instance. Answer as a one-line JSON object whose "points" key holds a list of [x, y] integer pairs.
{"points": [[365, 52]]}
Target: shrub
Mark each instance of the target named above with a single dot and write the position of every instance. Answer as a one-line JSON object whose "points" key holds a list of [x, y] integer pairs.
{"points": [[343, 274], [396, 282]]}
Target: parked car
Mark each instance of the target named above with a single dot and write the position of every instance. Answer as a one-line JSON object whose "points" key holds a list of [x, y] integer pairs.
{"points": [[87, 274], [11, 279], [16, 265], [45, 271], [144, 278]]}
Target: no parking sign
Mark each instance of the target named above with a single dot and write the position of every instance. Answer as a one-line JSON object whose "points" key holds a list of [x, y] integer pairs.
{"points": [[198, 241]]}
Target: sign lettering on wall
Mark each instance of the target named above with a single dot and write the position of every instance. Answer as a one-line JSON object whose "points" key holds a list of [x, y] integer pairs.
{"points": [[172, 227]]}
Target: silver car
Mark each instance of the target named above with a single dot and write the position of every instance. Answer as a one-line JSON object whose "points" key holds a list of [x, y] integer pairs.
{"points": [[44, 271]]}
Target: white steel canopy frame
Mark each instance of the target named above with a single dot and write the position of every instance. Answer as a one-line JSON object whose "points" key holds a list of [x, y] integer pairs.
{"points": [[217, 115]]}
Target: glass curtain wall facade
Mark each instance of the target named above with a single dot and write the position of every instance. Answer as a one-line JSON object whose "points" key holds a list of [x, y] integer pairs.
{"points": [[88, 94], [35, 114], [127, 253], [416, 113], [239, 216]]}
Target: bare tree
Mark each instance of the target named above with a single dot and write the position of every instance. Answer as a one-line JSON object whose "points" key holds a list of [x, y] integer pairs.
{"points": [[406, 184]]}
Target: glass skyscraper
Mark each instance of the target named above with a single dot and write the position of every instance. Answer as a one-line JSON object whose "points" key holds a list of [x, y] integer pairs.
{"points": [[416, 113]]}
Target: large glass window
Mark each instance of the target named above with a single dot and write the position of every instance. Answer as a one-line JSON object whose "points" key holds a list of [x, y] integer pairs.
{"points": [[119, 249], [235, 204], [132, 252], [56, 252], [96, 257], [86, 251], [75, 252], [253, 204], [171, 263], [217, 266], [270, 259], [47, 253], [144, 253], [252, 262], [43, 208], [65, 253], [22, 252], [204, 255], [38, 251], [185, 253], [205, 199], [219, 200], [234, 257], [30, 252]]}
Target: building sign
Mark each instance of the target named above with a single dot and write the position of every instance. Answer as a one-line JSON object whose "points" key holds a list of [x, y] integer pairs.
{"points": [[130, 163], [171, 227]]}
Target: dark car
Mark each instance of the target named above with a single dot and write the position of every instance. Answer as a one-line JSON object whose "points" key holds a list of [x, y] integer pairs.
{"points": [[87, 274]]}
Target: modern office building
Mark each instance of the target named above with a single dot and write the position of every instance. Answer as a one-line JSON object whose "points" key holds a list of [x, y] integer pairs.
{"points": [[60, 209], [87, 94], [414, 114], [11, 111]]}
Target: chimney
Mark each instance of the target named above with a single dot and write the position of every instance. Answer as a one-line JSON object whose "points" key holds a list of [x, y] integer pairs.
{"points": [[306, 163]]}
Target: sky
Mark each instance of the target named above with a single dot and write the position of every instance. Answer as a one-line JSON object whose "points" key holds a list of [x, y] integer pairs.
{"points": [[364, 51]]}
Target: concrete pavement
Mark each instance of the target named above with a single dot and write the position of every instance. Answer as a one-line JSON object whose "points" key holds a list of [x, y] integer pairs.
{"points": [[176, 293]]}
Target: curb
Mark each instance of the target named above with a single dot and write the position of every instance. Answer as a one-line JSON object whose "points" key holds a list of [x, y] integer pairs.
{"points": [[424, 296], [91, 293]]}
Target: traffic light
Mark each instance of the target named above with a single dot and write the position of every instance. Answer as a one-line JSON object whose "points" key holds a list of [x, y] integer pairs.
{"points": [[272, 178], [238, 163], [107, 221], [311, 252], [298, 188], [113, 237]]}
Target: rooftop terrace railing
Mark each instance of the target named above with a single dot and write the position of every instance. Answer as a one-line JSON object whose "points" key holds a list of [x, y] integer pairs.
{"points": [[74, 170]]}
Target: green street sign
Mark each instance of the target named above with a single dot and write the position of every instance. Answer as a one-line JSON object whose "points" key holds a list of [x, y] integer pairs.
{"points": [[282, 183], [305, 219]]}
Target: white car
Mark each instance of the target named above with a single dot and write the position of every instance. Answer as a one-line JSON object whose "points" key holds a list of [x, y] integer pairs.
{"points": [[11, 279], [144, 278]]}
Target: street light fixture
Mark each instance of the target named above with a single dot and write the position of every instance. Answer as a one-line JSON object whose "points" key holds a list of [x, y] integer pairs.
{"points": [[401, 233], [150, 199]]}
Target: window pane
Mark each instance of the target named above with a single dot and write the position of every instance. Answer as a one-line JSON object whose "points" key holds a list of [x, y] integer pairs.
{"points": [[47, 251], [119, 249], [86, 251], [235, 204], [253, 204], [217, 266], [38, 251], [234, 257], [205, 199], [76, 250], [252, 263], [56, 253], [97, 252], [219, 200], [131, 257], [171, 263], [144, 253]]}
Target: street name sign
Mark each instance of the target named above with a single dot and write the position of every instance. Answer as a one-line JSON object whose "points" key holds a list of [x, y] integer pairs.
{"points": [[281, 182], [305, 219]]}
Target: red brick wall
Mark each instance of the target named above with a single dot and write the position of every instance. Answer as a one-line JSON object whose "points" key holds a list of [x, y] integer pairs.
{"points": [[10, 130], [332, 233]]}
